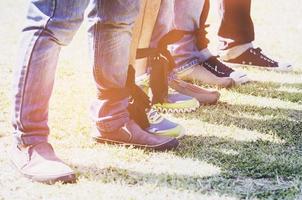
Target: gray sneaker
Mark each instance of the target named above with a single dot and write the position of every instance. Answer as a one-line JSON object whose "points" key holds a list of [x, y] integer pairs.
{"points": [[39, 163]]}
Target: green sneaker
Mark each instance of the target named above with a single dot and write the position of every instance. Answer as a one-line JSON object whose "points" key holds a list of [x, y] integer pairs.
{"points": [[176, 102], [162, 126]]}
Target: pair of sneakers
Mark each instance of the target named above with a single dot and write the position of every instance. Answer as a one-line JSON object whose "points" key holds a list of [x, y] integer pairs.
{"points": [[39, 162], [252, 57], [183, 97]]}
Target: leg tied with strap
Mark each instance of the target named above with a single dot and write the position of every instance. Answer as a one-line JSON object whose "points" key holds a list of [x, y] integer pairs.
{"points": [[139, 102]]}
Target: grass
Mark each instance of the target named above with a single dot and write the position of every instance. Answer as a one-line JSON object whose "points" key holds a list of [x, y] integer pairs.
{"points": [[248, 146]]}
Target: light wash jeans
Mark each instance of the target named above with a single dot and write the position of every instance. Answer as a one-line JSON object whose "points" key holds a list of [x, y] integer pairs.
{"points": [[181, 15], [51, 24]]}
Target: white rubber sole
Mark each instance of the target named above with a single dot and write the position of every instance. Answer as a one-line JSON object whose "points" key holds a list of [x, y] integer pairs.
{"points": [[173, 110], [240, 77], [284, 68]]}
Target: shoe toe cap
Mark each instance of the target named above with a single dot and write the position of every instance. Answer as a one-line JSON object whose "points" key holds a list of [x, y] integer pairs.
{"points": [[48, 171], [239, 77], [284, 66]]}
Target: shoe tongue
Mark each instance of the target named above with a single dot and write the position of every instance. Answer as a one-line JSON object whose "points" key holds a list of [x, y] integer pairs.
{"points": [[212, 59]]}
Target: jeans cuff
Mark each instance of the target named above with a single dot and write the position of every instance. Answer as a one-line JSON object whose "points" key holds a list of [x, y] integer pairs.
{"points": [[30, 139], [184, 67], [112, 123]]}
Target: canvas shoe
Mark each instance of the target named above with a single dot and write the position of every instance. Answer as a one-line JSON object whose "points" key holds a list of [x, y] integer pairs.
{"points": [[254, 57], [199, 73], [221, 70], [162, 126], [40, 163]]}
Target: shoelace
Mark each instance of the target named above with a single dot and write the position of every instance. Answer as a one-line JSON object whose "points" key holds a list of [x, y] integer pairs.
{"points": [[258, 51], [215, 65], [153, 116]]}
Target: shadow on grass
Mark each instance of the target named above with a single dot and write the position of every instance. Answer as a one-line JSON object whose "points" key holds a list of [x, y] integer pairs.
{"points": [[284, 123], [257, 159], [271, 90], [257, 169], [248, 169]]}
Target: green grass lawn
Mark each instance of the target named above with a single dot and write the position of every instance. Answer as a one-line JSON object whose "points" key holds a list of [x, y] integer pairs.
{"points": [[248, 146]]}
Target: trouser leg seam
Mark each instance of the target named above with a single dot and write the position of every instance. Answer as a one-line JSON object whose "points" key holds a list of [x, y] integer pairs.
{"points": [[27, 67]]}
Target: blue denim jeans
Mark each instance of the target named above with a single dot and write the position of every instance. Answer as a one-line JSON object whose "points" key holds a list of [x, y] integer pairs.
{"points": [[51, 24], [181, 15], [236, 31]]}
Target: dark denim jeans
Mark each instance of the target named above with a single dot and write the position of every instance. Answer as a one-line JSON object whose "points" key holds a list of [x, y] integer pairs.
{"points": [[236, 26], [52, 24]]}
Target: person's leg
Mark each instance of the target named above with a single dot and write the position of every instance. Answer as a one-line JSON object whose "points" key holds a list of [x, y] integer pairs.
{"points": [[180, 15], [49, 25], [187, 51], [164, 21], [187, 17], [236, 26], [192, 56], [143, 29], [190, 51], [236, 34], [142, 33], [111, 24]]}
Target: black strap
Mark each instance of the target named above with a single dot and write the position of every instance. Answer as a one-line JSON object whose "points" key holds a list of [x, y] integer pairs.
{"points": [[114, 94], [161, 63], [159, 79], [139, 101], [171, 37]]}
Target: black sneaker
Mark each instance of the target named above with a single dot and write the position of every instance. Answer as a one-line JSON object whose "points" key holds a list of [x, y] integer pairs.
{"points": [[255, 58], [221, 70]]}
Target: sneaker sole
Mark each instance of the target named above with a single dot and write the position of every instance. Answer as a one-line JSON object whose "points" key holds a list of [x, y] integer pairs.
{"points": [[178, 135], [170, 145], [186, 109], [242, 80], [277, 69], [175, 110]]}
